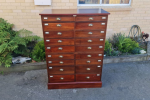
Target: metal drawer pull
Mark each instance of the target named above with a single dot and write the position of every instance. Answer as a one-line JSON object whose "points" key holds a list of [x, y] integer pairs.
{"points": [[88, 55], [48, 47], [61, 78], [46, 32], [61, 70], [46, 24], [61, 62], [60, 56], [58, 18], [102, 23], [101, 39], [89, 40], [50, 62], [59, 41], [47, 40], [99, 54], [90, 24], [99, 60], [88, 69], [60, 48], [74, 15], [102, 31], [58, 25], [89, 47], [91, 18], [87, 77], [49, 56], [98, 74], [103, 17], [45, 18], [98, 66], [88, 61], [51, 76], [90, 33], [59, 33], [100, 46], [50, 67]]}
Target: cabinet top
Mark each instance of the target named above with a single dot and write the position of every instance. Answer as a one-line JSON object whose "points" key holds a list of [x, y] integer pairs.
{"points": [[96, 11]]}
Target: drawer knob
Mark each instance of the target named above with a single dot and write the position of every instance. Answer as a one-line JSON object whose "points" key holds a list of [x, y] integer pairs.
{"points": [[60, 56], [45, 18], [50, 67], [91, 18], [50, 62], [58, 18], [88, 61], [49, 56], [89, 48], [58, 25], [59, 41], [100, 46], [98, 66], [48, 47], [61, 62], [102, 31], [101, 39], [61, 70], [90, 33], [103, 17], [51, 76], [99, 54], [98, 74], [60, 48], [99, 60], [102, 23], [61, 78], [88, 55], [90, 24], [89, 40], [59, 33], [46, 32], [88, 69], [47, 40], [46, 24], [87, 77]]}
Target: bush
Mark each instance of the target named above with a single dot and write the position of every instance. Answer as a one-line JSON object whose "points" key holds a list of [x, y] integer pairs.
{"points": [[38, 52], [108, 48]]}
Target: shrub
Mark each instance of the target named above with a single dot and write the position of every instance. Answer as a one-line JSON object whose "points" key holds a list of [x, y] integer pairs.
{"points": [[108, 48]]}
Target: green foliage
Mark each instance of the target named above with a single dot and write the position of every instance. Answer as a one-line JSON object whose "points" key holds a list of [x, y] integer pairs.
{"points": [[136, 51], [108, 48], [38, 52], [1, 72]]}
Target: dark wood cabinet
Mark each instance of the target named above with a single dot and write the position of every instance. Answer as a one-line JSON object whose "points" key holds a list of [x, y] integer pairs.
{"points": [[74, 44]]}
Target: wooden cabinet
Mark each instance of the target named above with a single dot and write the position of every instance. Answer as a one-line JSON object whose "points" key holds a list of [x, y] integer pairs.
{"points": [[74, 44]]}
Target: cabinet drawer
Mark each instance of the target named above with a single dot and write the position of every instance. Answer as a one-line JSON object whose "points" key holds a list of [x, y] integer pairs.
{"points": [[58, 26], [88, 61], [89, 69], [58, 34], [88, 77], [60, 56], [90, 26], [86, 34], [90, 55], [57, 18], [91, 18], [61, 78], [63, 49], [60, 62], [61, 70], [59, 42], [89, 48], [90, 41]]}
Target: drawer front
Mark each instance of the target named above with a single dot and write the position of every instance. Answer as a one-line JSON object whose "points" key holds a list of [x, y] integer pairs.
{"points": [[89, 48], [91, 18], [89, 69], [60, 56], [61, 78], [89, 26], [60, 62], [88, 61], [57, 18], [58, 26], [88, 34], [90, 41], [90, 56], [59, 42], [58, 34], [63, 49], [88, 77], [61, 70]]}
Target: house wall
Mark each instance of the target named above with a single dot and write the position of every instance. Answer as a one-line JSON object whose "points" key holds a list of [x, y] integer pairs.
{"points": [[24, 14]]}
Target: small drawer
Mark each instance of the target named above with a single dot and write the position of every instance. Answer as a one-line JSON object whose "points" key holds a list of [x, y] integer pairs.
{"points": [[89, 69], [58, 26], [90, 41], [63, 49], [61, 78], [57, 18], [60, 62], [59, 42], [91, 18], [60, 56], [88, 61], [89, 48], [90, 55], [58, 34], [61, 70], [88, 77], [90, 26], [88, 34]]}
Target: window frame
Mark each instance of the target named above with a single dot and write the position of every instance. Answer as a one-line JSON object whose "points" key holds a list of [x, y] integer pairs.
{"points": [[103, 4]]}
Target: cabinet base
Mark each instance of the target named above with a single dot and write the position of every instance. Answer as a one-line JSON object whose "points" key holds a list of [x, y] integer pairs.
{"points": [[74, 85]]}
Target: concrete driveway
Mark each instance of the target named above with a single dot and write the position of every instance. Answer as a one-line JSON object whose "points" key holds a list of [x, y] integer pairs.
{"points": [[121, 81]]}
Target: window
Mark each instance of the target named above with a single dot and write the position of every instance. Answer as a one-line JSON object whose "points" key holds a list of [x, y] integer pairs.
{"points": [[103, 2]]}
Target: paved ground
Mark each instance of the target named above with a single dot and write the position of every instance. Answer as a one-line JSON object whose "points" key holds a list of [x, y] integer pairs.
{"points": [[121, 81]]}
